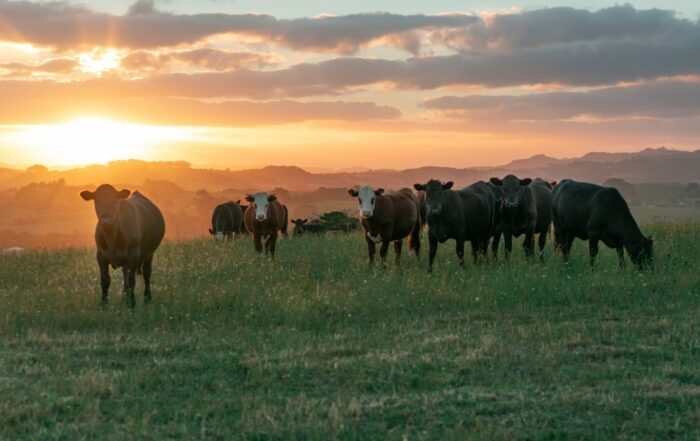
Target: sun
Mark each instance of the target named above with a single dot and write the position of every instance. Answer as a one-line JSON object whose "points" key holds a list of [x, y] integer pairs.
{"points": [[92, 140]]}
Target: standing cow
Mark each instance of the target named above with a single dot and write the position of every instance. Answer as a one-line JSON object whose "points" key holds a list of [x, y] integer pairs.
{"points": [[594, 213], [264, 219], [226, 220], [526, 208], [129, 230], [388, 218], [462, 215]]}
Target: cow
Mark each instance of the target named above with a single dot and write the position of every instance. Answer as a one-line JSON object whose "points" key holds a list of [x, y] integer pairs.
{"points": [[226, 220], [388, 218], [302, 226], [526, 208], [463, 215], [264, 219], [595, 213], [129, 230]]}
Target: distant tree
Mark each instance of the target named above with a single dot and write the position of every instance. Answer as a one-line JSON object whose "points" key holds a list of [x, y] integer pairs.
{"points": [[627, 190], [37, 168]]}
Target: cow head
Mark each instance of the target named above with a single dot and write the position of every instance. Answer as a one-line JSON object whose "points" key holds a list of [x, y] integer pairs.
{"points": [[511, 189], [106, 200], [642, 253], [299, 226], [434, 195], [261, 203], [366, 198]]}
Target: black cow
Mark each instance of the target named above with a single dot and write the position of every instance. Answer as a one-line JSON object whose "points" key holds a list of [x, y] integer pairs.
{"points": [[526, 208], [302, 226], [129, 230], [594, 213], [463, 215], [226, 220]]}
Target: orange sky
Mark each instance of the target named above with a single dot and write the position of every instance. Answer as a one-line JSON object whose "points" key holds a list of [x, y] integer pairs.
{"points": [[391, 90]]}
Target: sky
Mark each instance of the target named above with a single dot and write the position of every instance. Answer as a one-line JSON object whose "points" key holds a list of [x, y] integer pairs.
{"points": [[340, 84]]}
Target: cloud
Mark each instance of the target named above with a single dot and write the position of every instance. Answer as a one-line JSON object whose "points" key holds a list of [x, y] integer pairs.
{"points": [[563, 25], [63, 25], [188, 112], [211, 59], [53, 66], [655, 100]]}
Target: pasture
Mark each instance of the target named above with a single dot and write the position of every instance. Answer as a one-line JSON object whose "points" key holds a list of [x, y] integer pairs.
{"points": [[316, 346]]}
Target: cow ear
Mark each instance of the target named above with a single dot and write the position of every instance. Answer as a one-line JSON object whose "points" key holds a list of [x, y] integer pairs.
{"points": [[238, 202], [87, 195], [123, 194], [496, 181], [211, 231], [553, 183], [352, 192], [379, 192], [304, 221], [525, 182], [271, 198], [447, 185], [249, 198], [419, 187]]}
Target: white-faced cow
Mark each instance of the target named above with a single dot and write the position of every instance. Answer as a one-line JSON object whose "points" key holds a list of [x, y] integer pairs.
{"points": [[462, 215], [129, 230], [264, 219], [388, 218], [526, 208], [594, 213]]}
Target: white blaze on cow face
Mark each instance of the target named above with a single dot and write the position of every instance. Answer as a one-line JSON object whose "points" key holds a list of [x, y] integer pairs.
{"points": [[261, 205], [366, 197]]}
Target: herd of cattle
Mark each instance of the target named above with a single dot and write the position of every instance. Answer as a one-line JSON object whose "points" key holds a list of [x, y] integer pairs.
{"points": [[130, 227]]}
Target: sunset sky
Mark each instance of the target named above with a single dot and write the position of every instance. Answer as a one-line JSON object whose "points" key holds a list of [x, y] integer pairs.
{"points": [[343, 84]]}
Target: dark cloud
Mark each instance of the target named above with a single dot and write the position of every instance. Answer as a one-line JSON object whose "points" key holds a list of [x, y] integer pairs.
{"points": [[205, 58], [655, 100], [60, 24]]}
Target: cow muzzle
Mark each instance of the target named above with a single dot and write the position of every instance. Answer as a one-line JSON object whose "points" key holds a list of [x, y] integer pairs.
{"points": [[260, 217], [366, 214]]}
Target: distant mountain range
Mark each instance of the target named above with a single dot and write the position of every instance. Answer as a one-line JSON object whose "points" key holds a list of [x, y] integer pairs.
{"points": [[652, 165]]}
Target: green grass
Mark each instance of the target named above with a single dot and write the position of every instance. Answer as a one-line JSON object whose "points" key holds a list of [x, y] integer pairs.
{"points": [[316, 346]]}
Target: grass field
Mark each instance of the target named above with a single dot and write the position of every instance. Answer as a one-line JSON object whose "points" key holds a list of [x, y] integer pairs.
{"points": [[316, 346]]}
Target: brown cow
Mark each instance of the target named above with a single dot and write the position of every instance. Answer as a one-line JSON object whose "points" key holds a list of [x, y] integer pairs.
{"points": [[389, 218], [265, 218], [129, 230]]}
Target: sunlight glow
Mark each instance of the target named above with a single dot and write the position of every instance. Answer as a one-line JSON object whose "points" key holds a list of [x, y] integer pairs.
{"points": [[93, 140], [99, 61]]}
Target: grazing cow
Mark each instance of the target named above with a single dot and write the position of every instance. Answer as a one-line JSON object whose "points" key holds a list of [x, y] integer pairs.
{"points": [[463, 215], [388, 218], [226, 220], [264, 219], [129, 230], [302, 226], [526, 208], [594, 213]]}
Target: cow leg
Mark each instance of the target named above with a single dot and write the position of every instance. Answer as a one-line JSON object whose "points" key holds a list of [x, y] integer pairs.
{"points": [[272, 243], [267, 244], [397, 249], [414, 240], [371, 250], [495, 244], [147, 270], [593, 249], [566, 247], [258, 243], [542, 241], [125, 275], [475, 250], [508, 239], [131, 284], [459, 249], [432, 251], [383, 251], [105, 279], [529, 244], [621, 257]]}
